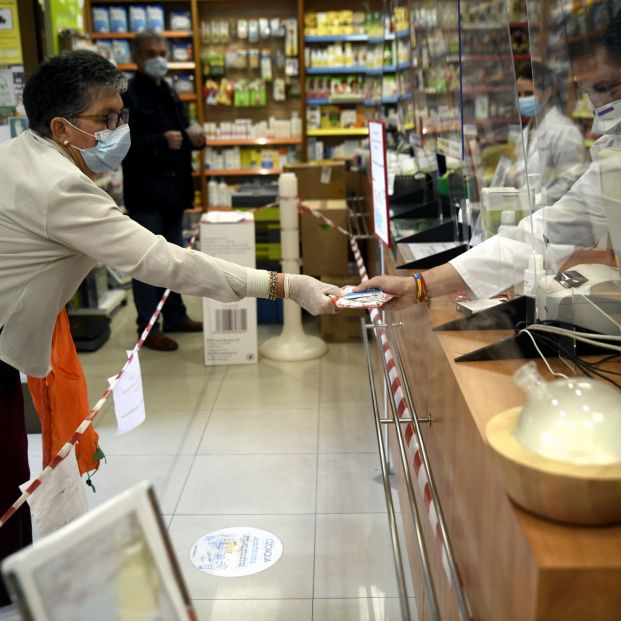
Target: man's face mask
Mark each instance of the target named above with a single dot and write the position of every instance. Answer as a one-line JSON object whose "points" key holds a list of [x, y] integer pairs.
{"points": [[156, 67]]}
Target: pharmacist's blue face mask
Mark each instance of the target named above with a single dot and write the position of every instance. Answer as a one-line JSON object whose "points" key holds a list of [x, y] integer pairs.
{"points": [[156, 67], [528, 106], [111, 148]]}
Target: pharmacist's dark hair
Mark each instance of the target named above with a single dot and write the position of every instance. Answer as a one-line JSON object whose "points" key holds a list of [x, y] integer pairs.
{"points": [[597, 26], [143, 37], [540, 75], [66, 85]]}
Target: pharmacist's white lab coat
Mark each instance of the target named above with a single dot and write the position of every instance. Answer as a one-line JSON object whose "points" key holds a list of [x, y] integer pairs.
{"points": [[576, 220], [555, 153]]}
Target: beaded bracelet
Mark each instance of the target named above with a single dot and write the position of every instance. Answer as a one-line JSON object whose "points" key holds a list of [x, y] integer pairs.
{"points": [[273, 282], [421, 287]]}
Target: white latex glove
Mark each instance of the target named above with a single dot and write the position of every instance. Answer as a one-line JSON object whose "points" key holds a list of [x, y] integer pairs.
{"points": [[311, 294]]}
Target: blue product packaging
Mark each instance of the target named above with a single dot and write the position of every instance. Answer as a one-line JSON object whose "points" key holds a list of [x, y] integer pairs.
{"points": [[120, 51], [155, 17], [180, 20], [118, 19], [181, 52], [101, 19], [137, 18]]}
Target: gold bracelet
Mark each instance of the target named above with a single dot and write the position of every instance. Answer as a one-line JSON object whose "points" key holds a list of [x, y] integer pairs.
{"points": [[273, 283]]}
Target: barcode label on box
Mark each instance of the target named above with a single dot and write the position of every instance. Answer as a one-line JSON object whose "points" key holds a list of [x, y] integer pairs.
{"points": [[231, 320]]}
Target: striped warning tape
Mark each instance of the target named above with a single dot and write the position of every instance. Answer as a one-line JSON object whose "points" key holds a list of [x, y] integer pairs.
{"points": [[400, 400], [84, 425]]}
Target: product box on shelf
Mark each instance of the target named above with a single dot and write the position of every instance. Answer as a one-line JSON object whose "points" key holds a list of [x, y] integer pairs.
{"points": [[319, 180], [229, 329], [137, 18], [101, 19], [155, 17], [344, 327], [324, 250], [118, 19]]}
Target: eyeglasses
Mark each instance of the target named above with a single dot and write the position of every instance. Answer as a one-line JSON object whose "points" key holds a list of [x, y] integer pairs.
{"points": [[112, 119]]}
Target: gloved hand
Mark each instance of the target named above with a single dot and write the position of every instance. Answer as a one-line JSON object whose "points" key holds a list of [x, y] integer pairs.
{"points": [[311, 294]]}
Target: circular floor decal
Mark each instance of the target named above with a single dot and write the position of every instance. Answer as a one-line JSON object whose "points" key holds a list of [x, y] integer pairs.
{"points": [[233, 552]]}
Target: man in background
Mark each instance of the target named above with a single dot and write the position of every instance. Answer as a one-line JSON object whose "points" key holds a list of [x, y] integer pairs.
{"points": [[157, 175]]}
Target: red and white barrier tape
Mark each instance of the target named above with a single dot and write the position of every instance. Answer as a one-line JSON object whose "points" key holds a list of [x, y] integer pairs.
{"points": [[399, 396], [84, 425]]}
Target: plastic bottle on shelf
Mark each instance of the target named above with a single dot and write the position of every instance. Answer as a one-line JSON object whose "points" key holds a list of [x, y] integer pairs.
{"points": [[223, 194], [296, 125], [212, 192]]}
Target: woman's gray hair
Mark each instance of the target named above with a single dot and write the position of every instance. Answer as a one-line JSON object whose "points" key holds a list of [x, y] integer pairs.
{"points": [[66, 85]]}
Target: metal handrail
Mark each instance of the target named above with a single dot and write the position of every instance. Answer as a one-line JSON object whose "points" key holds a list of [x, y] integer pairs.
{"points": [[428, 582], [427, 578], [462, 603]]}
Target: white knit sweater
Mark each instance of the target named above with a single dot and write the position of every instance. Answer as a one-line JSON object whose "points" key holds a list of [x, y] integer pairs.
{"points": [[55, 224]]}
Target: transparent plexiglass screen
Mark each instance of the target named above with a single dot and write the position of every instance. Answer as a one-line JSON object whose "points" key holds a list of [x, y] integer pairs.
{"points": [[573, 91]]}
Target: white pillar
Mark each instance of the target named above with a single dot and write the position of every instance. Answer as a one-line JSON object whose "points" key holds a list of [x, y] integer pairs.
{"points": [[293, 344]]}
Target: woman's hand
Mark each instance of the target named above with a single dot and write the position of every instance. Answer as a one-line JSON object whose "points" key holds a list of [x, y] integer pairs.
{"points": [[403, 288], [311, 294]]}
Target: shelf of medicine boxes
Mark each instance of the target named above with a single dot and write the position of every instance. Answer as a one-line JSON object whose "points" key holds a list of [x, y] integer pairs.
{"points": [[352, 131], [167, 34], [242, 172], [368, 71], [357, 101], [356, 38], [171, 65], [250, 142]]}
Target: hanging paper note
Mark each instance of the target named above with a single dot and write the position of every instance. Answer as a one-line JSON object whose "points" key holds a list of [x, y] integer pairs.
{"points": [[61, 497], [129, 398]]}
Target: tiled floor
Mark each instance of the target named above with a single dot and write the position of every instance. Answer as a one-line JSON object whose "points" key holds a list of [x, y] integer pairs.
{"points": [[286, 447]]}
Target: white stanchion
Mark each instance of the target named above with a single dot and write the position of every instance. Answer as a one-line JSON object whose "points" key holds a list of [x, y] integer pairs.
{"points": [[293, 344]]}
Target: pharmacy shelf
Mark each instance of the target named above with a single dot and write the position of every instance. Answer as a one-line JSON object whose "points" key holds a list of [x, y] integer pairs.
{"points": [[356, 131], [334, 70], [346, 70], [168, 34], [187, 96], [242, 172], [171, 65], [354, 38], [248, 142], [357, 101]]}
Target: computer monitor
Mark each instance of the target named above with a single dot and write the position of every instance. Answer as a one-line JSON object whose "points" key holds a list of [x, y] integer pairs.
{"points": [[115, 562]]}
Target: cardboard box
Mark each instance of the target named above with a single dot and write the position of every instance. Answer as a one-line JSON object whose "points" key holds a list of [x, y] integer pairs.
{"points": [[324, 250], [343, 327], [319, 180], [229, 329]]}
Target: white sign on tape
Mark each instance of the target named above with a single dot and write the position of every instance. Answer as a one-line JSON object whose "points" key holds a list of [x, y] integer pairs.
{"points": [[238, 551], [128, 397]]}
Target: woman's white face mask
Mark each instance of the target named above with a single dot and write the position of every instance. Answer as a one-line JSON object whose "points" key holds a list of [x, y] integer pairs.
{"points": [[111, 148]]}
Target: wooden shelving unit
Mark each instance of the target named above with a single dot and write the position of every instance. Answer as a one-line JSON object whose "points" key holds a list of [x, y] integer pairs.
{"points": [[243, 172], [250, 142]]}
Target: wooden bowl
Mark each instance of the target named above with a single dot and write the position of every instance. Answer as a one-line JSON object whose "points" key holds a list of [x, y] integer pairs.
{"points": [[576, 494]]}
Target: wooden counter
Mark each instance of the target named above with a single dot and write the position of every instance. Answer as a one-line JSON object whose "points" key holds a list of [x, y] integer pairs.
{"points": [[513, 565]]}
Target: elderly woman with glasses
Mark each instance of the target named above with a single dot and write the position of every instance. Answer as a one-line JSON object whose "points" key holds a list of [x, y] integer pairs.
{"points": [[56, 223]]}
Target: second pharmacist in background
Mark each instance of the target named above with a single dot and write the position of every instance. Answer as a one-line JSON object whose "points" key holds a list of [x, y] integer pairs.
{"points": [[157, 175]]}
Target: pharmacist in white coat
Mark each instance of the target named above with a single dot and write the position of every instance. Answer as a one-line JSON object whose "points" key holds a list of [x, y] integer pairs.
{"points": [[551, 150], [577, 220]]}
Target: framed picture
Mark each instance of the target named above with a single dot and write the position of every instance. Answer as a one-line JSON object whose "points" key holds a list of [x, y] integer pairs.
{"points": [[115, 562]]}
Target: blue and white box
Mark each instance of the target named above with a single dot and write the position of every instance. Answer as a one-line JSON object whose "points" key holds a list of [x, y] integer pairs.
{"points": [[137, 18], [120, 51], [180, 20], [155, 17], [101, 19], [118, 19]]}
